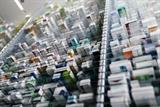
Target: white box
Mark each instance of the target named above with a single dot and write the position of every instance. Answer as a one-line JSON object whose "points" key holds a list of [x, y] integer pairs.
{"points": [[118, 90], [135, 84], [137, 40], [149, 21], [85, 97], [119, 102], [116, 32], [119, 78], [115, 66], [125, 42], [144, 95], [136, 50], [142, 72], [142, 58], [85, 85], [145, 64], [155, 36], [132, 26], [117, 51], [114, 43], [114, 25], [75, 105]]}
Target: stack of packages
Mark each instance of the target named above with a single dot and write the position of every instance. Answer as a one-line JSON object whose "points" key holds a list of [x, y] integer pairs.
{"points": [[133, 66], [85, 48]]}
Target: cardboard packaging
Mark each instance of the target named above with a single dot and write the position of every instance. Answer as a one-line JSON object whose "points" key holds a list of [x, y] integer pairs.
{"points": [[115, 67], [144, 74], [75, 105], [141, 59], [60, 93], [151, 63], [87, 97], [132, 51], [85, 86], [139, 95]]}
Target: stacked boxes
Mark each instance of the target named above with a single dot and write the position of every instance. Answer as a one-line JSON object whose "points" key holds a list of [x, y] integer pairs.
{"points": [[134, 60], [40, 72]]}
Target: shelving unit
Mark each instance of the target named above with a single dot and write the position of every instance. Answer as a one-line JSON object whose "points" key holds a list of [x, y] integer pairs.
{"points": [[9, 47], [131, 68], [103, 74]]}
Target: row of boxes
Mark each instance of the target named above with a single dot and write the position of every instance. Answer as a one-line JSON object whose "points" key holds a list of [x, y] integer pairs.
{"points": [[134, 64]]}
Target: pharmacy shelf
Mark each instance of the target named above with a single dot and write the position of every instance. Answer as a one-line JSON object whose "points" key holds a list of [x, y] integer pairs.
{"points": [[147, 85], [103, 61], [9, 47]]}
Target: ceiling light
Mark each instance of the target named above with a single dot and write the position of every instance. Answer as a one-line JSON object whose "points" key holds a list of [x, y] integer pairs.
{"points": [[19, 5]]}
